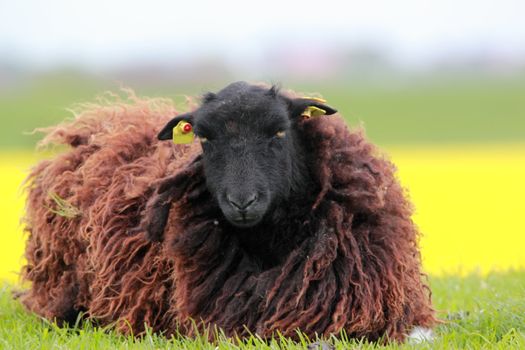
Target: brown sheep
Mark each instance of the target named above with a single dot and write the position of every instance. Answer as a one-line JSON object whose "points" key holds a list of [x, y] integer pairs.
{"points": [[317, 236]]}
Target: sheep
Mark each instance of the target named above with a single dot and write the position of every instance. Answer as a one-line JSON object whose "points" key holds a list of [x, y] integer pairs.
{"points": [[276, 218]]}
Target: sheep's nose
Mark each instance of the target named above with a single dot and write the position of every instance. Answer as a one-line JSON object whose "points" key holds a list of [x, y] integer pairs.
{"points": [[243, 202]]}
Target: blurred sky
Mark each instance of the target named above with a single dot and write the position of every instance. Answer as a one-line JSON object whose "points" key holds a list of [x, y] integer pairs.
{"points": [[106, 34]]}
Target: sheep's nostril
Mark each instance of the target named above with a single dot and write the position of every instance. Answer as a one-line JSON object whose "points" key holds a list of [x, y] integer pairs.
{"points": [[251, 200], [242, 203]]}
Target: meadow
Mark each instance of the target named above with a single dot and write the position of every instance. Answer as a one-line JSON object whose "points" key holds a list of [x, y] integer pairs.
{"points": [[460, 150], [478, 313]]}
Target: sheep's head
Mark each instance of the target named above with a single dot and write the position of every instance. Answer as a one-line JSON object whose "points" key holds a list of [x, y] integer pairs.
{"points": [[251, 153]]}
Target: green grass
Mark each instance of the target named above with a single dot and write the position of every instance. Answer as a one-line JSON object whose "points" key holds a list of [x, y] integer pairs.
{"points": [[479, 313], [462, 111], [431, 110]]}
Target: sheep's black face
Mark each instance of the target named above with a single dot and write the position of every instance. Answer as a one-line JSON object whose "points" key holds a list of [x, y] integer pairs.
{"points": [[248, 152], [251, 153]]}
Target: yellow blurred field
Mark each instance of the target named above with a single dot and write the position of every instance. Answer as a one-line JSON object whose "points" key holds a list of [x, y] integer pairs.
{"points": [[470, 202]]}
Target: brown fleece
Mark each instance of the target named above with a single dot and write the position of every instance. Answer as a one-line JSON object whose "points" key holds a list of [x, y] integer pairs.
{"points": [[346, 260]]}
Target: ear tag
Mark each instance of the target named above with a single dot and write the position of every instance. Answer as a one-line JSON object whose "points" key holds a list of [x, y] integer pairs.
{"points": [[312, 112], [183, 133]]}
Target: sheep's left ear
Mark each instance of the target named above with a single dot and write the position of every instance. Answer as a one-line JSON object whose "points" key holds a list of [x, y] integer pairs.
{"points": [[309, 107], [179, 129]]}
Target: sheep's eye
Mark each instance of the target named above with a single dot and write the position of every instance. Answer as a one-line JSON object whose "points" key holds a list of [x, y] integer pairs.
{"points": [[280, 134]]}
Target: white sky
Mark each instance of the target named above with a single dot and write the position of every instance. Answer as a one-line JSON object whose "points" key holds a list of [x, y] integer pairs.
{"points": [[104, 33]]}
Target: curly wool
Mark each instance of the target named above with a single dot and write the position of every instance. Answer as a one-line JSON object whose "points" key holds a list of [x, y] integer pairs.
{"points": [[345, 260]]}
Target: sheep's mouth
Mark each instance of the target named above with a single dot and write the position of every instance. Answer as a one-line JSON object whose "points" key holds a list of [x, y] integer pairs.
{"points": [[245, 221]]}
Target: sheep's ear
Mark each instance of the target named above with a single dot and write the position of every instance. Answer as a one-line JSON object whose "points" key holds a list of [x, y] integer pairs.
{"points": [[179, 129], [309, 107]]}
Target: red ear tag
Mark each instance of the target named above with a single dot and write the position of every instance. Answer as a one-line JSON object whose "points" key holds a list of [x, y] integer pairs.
{"points": [[186, 128]]}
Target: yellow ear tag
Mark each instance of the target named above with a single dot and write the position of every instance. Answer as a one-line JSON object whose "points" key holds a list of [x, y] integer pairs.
{"points": [[183, 133], [312, 112], [316, 99]]}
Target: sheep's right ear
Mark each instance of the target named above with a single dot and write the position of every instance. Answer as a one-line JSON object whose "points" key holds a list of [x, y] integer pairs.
{"points": [[167, 132]]}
